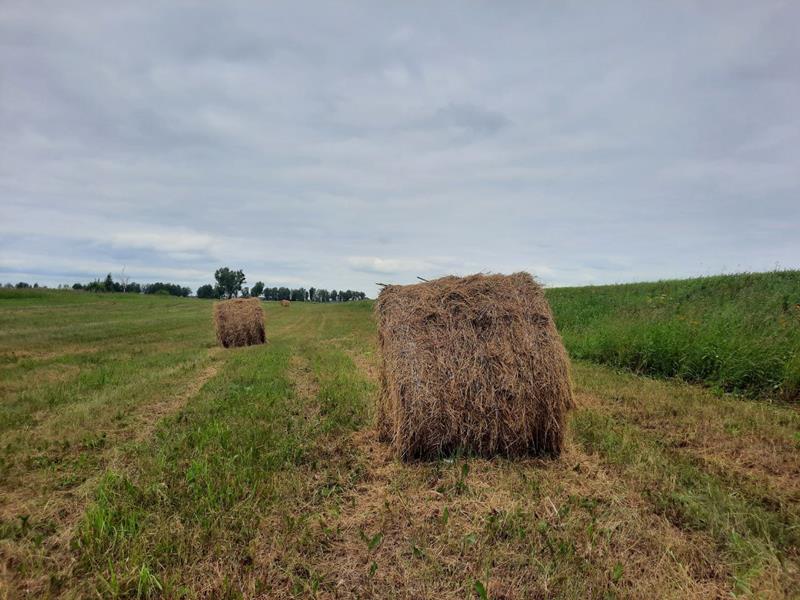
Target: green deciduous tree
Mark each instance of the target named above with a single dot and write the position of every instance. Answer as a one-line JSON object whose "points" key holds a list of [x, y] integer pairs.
{"points": [[230, 282], [172, 289], [207, 291]]}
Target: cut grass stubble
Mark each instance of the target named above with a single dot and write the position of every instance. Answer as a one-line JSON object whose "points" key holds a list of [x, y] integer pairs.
{"points": [[267, 479]]}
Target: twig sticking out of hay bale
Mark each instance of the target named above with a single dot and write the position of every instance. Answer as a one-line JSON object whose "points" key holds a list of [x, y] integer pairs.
{"points": [[285, 303], [239, 322], [473, 364]]}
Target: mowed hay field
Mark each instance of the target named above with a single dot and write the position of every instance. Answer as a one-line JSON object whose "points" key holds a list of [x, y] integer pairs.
{"points": [[139, 459]]}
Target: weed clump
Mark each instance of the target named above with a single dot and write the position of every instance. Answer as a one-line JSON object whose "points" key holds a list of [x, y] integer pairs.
{"points": [[471, 364], [239, 322]]}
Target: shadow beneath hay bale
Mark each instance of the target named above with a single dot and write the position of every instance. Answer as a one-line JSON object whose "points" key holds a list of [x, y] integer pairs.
{"points": [[239, 322], [472, 365]]}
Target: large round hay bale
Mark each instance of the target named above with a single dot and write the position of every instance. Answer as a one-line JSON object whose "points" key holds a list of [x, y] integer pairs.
{"points": [[284, 303], [473, 364], [239, 322]]}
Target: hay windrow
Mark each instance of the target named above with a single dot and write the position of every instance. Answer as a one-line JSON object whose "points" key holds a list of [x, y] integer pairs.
{"points": [[239, 322], [472, 364]]}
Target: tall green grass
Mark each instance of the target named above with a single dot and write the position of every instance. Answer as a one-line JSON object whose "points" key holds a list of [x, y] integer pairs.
{"points": [[736, 333]]}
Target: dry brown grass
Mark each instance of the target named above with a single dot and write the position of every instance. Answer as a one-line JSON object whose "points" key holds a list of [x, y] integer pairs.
{"points": [[472, 363], [527, 528], [239, 322], [773, 464], [739, 441]]}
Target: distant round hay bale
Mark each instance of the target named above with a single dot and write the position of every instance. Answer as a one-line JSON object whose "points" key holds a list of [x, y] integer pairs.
{"points": [[472, 364], [239, 322], [284, 303]]}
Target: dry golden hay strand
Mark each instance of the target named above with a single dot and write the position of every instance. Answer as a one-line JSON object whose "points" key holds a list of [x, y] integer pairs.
{"points": [[284, 303], [239, 322], [474, 364]]}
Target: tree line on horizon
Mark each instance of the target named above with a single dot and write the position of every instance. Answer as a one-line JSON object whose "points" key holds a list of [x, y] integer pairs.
{"points": [[131, 287], [229, 284], [109, 285]]}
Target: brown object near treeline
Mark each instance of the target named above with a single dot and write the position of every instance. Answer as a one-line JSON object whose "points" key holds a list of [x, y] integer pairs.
{"points": [[471, 364], [285, 303], [239, 322]]}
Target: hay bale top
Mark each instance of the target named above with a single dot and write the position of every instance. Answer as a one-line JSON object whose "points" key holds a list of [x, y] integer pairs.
{"points": [[472, 363], [239, 322], [479, 303]]}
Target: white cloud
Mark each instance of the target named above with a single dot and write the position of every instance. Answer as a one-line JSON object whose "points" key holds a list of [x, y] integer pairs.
{"points": [[173, 241], [43, 268], [391, 266]]}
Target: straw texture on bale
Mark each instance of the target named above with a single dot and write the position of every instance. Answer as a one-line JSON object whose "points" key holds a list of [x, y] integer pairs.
{"points": [[473, 364], [239, 322], [284, 303]]}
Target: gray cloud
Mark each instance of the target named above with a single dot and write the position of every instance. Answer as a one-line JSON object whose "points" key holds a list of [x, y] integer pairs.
{"points": [[334, 145], [465, 120]]}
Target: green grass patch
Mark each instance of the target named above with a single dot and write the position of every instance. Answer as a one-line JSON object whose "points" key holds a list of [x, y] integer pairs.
{"points": [[737, 333], [243, 448]]}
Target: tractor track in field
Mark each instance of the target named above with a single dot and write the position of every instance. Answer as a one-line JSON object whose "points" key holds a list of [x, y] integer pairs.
{"points": [[171, 405], [64, 507]]}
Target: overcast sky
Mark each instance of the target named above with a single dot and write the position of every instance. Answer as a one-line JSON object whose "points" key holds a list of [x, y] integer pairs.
{"points": [[340, 144]]}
